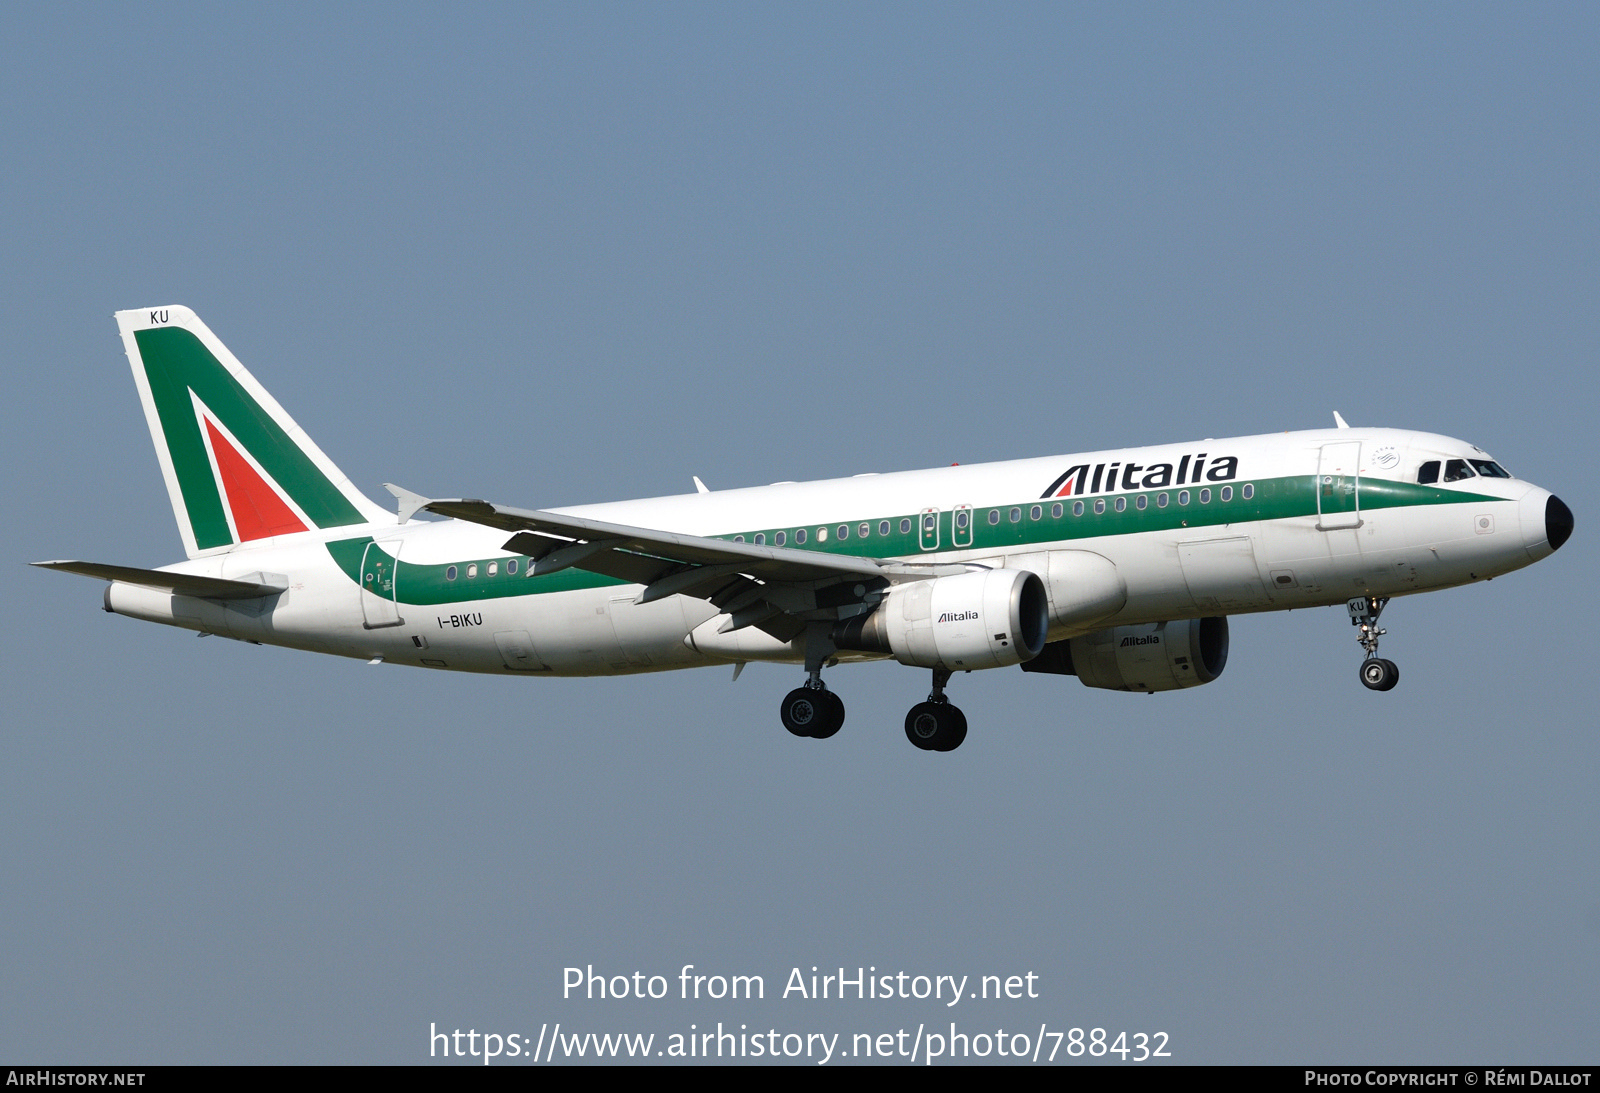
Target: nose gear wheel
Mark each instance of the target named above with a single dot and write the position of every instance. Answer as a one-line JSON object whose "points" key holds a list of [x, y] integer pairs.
{"points": [[1377, 674]]}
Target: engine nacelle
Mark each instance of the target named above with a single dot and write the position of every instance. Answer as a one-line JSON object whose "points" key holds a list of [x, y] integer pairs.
{"points": [[1159, 656], [986, 619]]}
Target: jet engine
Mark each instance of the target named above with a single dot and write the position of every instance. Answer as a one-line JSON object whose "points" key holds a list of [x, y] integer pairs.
{"points": [[986, 619], [1160, 656]]}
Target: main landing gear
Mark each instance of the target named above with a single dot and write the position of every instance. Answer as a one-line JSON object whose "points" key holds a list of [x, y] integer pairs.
{"points": [[936, 725], [1377, 674], [813, 710]]}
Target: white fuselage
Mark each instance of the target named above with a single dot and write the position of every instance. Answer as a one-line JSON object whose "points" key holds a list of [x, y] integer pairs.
{"points": [[1311, 518]]}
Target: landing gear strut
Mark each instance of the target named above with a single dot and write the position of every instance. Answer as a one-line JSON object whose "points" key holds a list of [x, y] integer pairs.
{"points": [[1377, 674], [936, 725], [813, 710]]}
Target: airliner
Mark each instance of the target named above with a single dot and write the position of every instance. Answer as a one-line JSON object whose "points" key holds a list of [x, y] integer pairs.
{"points": [[1118, 567]]}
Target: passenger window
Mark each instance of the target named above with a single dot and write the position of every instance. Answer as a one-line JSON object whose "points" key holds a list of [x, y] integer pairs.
{"points": [[511, 566], [1428, 473], [1248, 491], [844, 531], [883, 527], [800, 536], [1183, 497], [1227, 493], [905, 526], [963, 518], [472, 570], [1205, 497], [994, 516], [864, 530], [1141, 502], [738, 538], [1456, 470], [779, 539], [450, 573], [1016, 516], [1161, 500], [494, 567], [1100, 506], [1036, 512], [1121, 503], [1056, 510], [1077, 508], [761, 538]]}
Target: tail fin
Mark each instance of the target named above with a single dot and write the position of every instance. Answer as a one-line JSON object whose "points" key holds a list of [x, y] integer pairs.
{"points": [[237, 467]]}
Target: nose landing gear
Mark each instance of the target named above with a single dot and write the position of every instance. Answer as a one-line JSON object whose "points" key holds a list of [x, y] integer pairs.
{"points": [[1377, 674]]}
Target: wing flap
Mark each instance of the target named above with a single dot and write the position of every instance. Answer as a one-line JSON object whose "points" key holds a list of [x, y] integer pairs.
{"points": [[776, 589]]}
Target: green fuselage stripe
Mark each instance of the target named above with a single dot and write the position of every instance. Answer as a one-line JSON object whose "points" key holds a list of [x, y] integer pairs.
{"points": [[1274, 499]]}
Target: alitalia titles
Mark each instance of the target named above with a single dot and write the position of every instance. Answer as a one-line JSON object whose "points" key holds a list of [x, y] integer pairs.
{"points": [[958, 616], [1118, 475]]}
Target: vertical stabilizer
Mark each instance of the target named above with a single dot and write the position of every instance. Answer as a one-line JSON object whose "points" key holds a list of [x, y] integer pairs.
{"points": [[236, 465]]}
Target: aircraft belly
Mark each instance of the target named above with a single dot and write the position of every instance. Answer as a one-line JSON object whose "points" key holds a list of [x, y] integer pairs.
{"points": [[651, 635], [592, 632], [1221, 574], [1307, 565], [1158, 590]]}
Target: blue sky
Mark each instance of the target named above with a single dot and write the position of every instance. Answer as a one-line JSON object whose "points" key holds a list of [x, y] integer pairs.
{"points": [[550, 256]]}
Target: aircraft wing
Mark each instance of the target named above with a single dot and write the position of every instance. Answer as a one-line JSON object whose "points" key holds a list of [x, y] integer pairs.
{"points": [[776, 589]]}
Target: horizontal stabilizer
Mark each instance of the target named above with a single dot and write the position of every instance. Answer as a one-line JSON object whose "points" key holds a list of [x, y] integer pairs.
{"points": [[184, 584]]}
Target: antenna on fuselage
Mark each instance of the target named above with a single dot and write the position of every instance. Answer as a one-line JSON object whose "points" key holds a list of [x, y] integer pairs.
{"points": [[1339, 421]]}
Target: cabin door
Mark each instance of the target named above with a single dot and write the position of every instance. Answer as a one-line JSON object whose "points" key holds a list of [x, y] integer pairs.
{"points": [[378, 572], [1339, 486]]}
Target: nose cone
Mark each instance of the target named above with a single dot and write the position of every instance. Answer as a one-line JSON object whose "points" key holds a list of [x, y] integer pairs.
{"points": [[1557, 522], [1546, 523]]}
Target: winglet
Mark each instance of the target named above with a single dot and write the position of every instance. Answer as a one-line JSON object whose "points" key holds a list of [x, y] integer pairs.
{"points": [[1339, 421], [409, 502]]}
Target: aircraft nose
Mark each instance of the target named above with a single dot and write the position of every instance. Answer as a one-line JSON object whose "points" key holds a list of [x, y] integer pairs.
{"points": [[1546, 522], [1557, 522]]}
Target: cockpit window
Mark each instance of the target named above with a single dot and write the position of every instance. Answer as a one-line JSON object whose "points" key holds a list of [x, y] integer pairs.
{"points": [[1489, 468], [1456, 470], [1428, 473]]}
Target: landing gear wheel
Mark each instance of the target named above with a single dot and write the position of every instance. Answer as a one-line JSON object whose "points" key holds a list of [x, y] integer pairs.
{"points": [[1379, 674], [936, 726], [958, 731], [832, 719], [812, 711]]}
